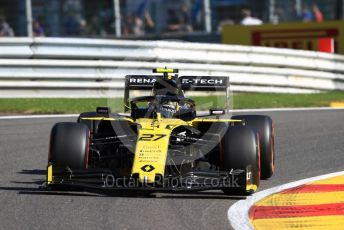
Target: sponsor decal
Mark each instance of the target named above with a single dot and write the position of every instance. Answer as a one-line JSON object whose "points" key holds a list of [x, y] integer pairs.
{"points": [[204, 81], [141, 80], [302, 36], [151, 137], [147, 168], [295, 38]]}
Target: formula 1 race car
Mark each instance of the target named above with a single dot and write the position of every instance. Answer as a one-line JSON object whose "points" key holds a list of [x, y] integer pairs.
{"points": [[164, 141]]}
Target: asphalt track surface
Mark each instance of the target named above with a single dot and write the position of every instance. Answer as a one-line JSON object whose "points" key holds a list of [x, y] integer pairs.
{"points": [[308, 143]]}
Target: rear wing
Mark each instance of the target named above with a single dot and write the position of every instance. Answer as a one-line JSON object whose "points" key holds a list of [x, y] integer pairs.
{"points": [[199, 83], [190, 83]]}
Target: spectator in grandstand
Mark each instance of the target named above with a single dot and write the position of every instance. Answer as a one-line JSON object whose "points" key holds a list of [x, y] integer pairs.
{"points": [[95, 28], [318, 15], [185, 18], [179, 22], [135, 25], [149, 23], [142, 22], [248, 20], [138, 26], [173, 21], [106, 18], [83, 29], [72, 12], [127, 24], [279, 16], [72, 7], [5, 28], [307, 15], [139, 22], [197, 14], [71, 25], [37, 29]]}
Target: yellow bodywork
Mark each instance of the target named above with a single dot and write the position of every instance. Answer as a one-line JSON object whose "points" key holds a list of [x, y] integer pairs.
{"points": [[152, 147], [252, 187], [152, 143], [164, 70], [49, 174]]}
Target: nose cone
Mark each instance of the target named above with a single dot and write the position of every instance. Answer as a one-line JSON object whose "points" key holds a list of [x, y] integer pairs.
{"points": [[151, 150]]}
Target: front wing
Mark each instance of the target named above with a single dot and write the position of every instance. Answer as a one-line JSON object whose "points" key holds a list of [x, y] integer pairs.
{"points": [[103, 179]]}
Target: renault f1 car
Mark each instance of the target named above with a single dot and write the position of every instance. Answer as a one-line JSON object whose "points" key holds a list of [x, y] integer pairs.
{"points": [[162, 142]]}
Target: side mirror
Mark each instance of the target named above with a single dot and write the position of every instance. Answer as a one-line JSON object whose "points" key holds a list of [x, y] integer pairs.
{"points": [[217, 112], [103, 110]]}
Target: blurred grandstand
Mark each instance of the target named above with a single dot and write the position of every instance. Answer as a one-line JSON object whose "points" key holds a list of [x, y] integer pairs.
{"points": [[154, 19]]}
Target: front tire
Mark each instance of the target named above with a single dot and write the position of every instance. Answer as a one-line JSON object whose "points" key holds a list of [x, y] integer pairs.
{"points": [[241, 151], [69, 146]]}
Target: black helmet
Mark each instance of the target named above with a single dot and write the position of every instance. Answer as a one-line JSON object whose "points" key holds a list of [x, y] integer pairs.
{"points": [[166, 87]]}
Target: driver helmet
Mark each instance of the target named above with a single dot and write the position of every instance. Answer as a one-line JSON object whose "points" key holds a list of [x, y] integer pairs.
{"points": [[165, 87], [169, 108]]}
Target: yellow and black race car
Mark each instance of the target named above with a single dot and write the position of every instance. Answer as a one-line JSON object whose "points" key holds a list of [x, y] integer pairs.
{"points": [[165, 140]]}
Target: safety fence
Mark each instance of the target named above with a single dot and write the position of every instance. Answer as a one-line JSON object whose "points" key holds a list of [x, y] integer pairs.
{"points": [[63, 67]]}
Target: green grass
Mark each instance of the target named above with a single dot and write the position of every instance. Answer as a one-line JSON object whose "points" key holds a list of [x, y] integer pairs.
{"points": [[241, 101], [271, 100], [51, 105]]}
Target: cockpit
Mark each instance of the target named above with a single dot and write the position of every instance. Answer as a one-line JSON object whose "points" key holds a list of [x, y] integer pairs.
{"points": [[168, 106]]}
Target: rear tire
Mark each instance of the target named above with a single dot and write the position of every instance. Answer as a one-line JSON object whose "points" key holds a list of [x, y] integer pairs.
{"points": [[240, 150], [69, 146], [265, 127]]}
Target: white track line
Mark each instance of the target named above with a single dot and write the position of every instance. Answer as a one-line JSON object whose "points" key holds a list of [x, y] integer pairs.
{"points": [[238, 212], [37, 116], [235, 111], [287, 109]]}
